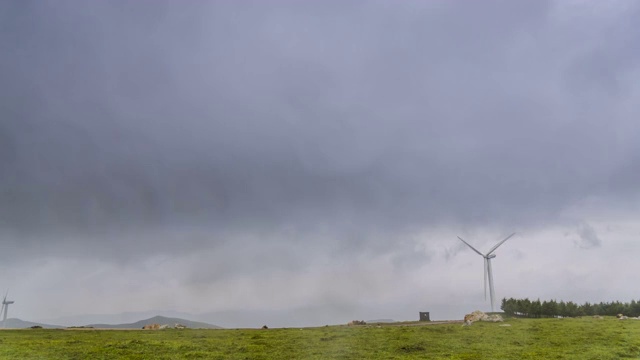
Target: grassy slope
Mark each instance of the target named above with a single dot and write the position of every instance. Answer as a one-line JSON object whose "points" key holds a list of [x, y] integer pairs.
{"points": [[525, 339]]}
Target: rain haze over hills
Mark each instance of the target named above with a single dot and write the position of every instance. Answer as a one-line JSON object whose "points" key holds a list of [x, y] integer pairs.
{"points": [[309, 163]]}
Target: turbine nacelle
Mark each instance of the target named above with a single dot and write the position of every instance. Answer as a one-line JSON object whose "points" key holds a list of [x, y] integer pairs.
{"points": [[490, 256]]}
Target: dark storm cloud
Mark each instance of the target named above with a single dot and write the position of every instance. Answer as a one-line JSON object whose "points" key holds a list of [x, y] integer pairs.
{"points": [[182, 125]]}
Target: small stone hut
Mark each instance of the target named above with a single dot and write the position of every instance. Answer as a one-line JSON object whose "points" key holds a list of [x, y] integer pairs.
{"points": [[424, 316]]}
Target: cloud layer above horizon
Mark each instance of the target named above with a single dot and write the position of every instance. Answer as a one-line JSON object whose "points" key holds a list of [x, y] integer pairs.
{"points": [[242, 143]]}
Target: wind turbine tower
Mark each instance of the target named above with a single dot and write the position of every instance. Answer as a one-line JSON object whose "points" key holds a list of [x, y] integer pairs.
{"points": [[488, 274], [5, 308]]}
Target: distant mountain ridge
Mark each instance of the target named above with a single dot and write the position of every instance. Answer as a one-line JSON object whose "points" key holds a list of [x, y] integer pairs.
{"points": [[161, 320], [14, 323], [119, 318], [381, 321]]}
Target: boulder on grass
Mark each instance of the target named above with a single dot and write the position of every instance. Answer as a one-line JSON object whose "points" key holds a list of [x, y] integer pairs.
{"points": [[481, 316]]}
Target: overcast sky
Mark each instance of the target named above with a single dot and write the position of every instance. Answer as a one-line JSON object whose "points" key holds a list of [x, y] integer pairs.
{"points": [[285, 156]]}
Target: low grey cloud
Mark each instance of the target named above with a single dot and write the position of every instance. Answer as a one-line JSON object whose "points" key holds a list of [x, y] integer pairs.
{"points": [[256, 137], [589, 238]]}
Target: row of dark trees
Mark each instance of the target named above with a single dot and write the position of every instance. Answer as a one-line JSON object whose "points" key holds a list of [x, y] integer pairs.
{"points": [[553, 308]]}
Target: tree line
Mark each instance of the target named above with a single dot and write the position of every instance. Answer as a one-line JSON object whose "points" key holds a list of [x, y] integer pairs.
{"points": [[553, 308]]}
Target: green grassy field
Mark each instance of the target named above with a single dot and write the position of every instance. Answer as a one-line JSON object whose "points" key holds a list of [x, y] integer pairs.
{"points": [[584, 338]]}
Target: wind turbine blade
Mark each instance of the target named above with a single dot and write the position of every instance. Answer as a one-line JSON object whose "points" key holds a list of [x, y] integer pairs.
{"points": [[486, 264], [491, 290], [472, 248], [500, 243]]}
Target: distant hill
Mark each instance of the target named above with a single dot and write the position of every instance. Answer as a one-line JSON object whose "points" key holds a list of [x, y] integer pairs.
{"points": [[21, 324], [381, 321], [162, 320], [119, 318]]}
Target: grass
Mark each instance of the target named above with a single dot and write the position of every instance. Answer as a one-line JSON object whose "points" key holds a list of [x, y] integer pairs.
{"points": [[584, 338]]}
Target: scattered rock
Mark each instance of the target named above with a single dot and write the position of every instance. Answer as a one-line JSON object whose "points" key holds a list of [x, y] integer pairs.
{"points": [[492, 318], [180, 326], [468, 320], [357, 322], [480, 316]]}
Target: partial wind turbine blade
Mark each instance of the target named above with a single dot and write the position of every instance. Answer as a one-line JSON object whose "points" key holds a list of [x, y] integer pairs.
{"points": [[472, 248], [500, 243], [491, 290], [486, 264]]}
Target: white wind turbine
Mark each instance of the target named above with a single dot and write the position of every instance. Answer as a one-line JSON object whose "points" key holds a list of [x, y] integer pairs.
{"points": [[5, 308], [488, 274]]}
